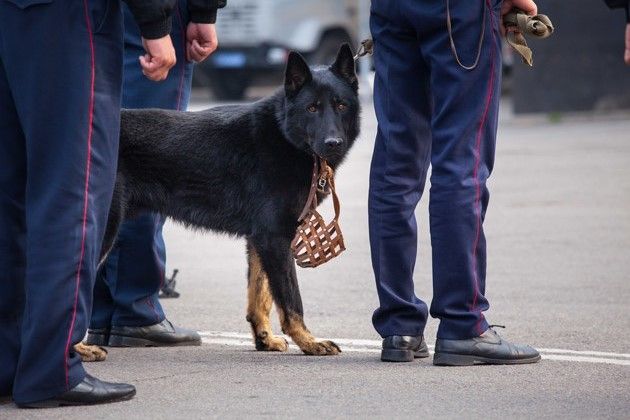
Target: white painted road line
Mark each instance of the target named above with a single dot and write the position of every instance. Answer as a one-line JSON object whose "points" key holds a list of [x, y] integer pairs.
{"points": [[236, 339], [586, 359]]}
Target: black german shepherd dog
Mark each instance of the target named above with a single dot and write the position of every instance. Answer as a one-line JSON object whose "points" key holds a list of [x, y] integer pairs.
{"points": [[244, 170]]}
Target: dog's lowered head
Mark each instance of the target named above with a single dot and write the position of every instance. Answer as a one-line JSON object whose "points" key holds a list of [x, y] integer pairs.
{"points": [[321, 108]]}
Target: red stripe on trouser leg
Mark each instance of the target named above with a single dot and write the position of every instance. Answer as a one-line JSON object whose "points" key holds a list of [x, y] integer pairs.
{"points": [[86, 190]]}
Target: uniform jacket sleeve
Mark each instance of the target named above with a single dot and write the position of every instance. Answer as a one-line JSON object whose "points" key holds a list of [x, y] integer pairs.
{"points": [[204, 11], [152, 16]]}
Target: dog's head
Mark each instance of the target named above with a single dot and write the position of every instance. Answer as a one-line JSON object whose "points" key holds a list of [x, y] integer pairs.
{"points": [[321, 109]]}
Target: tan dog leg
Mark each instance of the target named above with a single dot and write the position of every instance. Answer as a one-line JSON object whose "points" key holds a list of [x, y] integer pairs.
{"points": [[293, 325], [90, 353], [259, 306]]}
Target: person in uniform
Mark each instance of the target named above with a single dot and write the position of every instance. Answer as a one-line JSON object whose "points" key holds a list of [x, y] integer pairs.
{"points": [[60, 89], [436, 95], [127, 311]]}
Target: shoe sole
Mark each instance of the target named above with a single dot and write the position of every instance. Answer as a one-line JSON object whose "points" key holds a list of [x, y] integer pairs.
{"points": [[124, 341], [395, 355], [449, 359], [62, 403]]}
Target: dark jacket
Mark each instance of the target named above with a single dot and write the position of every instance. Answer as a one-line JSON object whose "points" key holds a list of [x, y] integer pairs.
{"points": [[154, 16], [617, 4]]}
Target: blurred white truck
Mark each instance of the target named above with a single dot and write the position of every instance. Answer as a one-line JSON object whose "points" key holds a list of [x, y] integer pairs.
{"points": [[255, 37]]}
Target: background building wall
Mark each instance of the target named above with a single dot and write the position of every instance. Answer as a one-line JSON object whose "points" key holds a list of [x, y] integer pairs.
{"points": [[581, 66]]}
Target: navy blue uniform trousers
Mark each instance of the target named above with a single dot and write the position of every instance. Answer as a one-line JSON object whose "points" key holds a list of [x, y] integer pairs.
{"points": [[60, 87], [127, 287], [432, 112]]}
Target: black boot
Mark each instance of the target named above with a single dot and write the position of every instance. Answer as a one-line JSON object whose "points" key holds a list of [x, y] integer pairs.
{"points": [[97, 337], [489, 348], [164, 334], [403, 348], [89, 391]]}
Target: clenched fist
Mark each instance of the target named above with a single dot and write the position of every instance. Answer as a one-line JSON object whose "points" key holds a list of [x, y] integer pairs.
{"points": [[159, 58], [201, 41]]}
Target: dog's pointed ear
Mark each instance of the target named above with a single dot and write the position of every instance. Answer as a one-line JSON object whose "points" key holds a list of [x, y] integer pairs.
{"points": [[344, 66], [297, 74]]}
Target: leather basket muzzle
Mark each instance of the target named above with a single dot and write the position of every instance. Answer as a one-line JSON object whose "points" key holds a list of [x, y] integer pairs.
{"points": [[316, 241]]}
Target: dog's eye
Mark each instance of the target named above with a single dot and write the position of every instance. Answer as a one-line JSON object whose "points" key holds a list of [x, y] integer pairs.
{"points": [[312, 108], [341, 106]]}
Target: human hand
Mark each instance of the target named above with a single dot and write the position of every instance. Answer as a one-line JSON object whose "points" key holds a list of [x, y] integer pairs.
{"points": [[201, 41], [159, 58], [528, 6], [626, 56]]}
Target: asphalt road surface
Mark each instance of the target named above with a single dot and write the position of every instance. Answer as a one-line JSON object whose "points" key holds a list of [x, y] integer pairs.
{"points": [[558, 231]]}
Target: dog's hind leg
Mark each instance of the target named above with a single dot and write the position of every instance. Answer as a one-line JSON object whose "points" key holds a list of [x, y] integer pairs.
{"points": [[259, 303], [275, 255]]}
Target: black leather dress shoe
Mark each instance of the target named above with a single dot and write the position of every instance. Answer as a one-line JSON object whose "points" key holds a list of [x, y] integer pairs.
{"points": [[89, 391], [403, 348], [97, 337], [164, 334], [489, 348]]}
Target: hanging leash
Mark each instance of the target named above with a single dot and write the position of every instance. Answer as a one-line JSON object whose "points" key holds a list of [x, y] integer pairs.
{"points": [[517, 24], [449, 28]]}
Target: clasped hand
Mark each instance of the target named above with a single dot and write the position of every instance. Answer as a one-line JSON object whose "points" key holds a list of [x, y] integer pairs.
{"points": [[159, 57]]}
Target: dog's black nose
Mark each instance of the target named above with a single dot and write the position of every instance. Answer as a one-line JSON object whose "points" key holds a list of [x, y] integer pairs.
{"points": [[333, 142]]}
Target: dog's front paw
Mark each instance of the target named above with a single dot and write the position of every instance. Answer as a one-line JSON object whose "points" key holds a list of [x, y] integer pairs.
{"points": [[269, 342], [321, 348], [90, 353]]}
